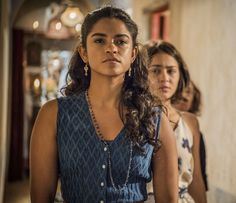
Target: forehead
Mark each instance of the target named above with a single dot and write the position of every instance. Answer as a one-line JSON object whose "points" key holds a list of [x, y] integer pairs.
{"points": [[163, 59], [110, 26]]}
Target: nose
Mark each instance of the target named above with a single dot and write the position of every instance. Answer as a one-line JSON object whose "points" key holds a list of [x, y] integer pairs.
{"points": [[111, 47], [164, 77]]}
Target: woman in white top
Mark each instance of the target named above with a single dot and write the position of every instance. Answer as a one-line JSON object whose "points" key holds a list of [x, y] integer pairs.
{"points": [[168, 75]]}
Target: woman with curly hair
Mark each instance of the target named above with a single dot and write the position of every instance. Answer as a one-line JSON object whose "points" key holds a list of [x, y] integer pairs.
{"points": [[168, 76], [100, 138]]}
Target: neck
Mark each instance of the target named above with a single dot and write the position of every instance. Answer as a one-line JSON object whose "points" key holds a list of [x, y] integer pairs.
{"points": [[105, 91], [167, 104], [171, 110]]}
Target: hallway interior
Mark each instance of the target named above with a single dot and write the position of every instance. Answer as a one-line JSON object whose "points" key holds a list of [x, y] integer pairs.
{"points": [[17, 192]]}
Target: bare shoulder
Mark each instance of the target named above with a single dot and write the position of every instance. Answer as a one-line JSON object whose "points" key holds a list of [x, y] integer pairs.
{"points": [[190, 118], [165, 128], [191, 121], [47, 115], [164, 122], [50, 108]]}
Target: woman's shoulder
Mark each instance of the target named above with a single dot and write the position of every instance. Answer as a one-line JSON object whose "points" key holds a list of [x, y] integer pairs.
{"points": [[191, 121], [189, 117], [50, 107], [47, 116]]}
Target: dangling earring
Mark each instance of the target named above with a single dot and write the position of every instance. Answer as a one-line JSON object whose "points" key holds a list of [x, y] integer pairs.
{"points": [[86, 70], [129, 73]]}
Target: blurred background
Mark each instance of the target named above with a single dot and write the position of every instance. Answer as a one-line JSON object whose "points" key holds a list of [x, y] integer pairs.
{"points": [[36, 42]]}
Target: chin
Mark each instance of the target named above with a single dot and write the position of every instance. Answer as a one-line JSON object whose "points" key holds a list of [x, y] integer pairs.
{"points": [[114, 74], [165, 97]]}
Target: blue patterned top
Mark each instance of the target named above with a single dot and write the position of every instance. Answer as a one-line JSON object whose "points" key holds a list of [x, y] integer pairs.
{"points": [[83, 159]]}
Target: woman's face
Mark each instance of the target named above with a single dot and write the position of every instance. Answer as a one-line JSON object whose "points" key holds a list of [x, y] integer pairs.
{"points": [[109, 50], [185, 103], [164, 76]]}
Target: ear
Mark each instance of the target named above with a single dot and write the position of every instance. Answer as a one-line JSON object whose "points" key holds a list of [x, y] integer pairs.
{"points": [[83, 54], [134, 54]]}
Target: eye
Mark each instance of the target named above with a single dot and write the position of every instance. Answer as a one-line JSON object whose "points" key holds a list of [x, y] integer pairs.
{"points": [[155, 71], [171, 71], [120, 42], [99, 41]]}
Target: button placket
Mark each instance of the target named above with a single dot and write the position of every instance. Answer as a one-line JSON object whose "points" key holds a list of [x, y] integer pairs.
{"points": [[103, 166]]}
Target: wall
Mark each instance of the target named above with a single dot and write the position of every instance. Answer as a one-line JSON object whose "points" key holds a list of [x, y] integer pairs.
{"points": [[205, 33], [4, 85], [141, 11]]}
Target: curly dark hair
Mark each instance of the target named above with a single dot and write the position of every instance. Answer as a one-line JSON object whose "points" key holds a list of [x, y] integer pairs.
{"points": [[158, 47], [135, 95]]}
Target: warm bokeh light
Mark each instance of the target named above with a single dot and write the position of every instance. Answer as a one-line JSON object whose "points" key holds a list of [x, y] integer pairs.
{"points": [[72, 16], [78, 27], [35, 24], [36, 83], [58, 26]]}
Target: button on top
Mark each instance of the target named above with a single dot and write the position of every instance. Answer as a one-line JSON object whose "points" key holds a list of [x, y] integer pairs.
{"points": [[102, 184], [101, 201], [103, 166], [105, 148]]}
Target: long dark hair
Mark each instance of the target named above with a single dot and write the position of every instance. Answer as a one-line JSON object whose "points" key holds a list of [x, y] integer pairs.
{"points": [[160, 47], [197, 100], [135, 95]]}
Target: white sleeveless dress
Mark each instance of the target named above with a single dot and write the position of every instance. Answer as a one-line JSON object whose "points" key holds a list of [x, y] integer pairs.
{"points": [[184, 141]]}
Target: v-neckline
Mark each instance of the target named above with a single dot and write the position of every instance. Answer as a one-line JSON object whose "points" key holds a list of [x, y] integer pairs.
{"points": [[177, 123], [94, 129]]}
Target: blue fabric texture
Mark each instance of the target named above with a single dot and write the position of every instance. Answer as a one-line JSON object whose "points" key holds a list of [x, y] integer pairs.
{"points": [[83, 159]]}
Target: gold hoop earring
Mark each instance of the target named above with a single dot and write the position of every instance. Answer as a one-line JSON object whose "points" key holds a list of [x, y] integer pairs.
{"points": [[86, 70]]}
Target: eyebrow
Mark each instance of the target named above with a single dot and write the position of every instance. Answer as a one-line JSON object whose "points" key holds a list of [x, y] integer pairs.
{"points": [[104, 35], [159, 66]]}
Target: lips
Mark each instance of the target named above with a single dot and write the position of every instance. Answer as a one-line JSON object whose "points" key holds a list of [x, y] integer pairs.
{"points": [[164, 88], [111, 60]]}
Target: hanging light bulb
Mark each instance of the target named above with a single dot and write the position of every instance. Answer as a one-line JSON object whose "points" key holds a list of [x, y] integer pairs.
{"points": [[35, 25], [71, 16], [57, 30]]}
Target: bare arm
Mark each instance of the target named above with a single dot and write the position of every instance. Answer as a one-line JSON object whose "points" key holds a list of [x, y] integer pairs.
{"points": [[196, 188], [43, 155], [165, 166]]}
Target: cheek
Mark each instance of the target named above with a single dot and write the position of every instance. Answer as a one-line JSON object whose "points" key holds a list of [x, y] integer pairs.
{"points": [[152, 80], [177, 78], [190, 101], [128, 55], [175, 81], [153, 84]]}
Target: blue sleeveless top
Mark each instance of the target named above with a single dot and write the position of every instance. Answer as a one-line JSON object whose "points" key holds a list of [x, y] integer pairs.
{"points": [[84, 159]]}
